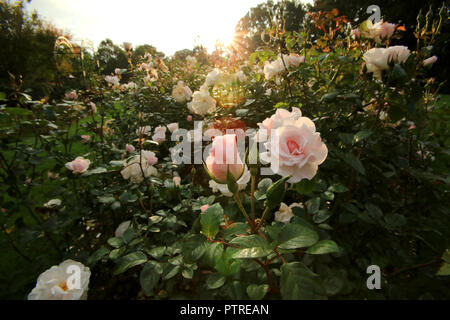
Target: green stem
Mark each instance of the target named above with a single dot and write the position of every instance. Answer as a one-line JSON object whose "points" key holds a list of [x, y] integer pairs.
{"points": [[262, 218], [241, 207]]}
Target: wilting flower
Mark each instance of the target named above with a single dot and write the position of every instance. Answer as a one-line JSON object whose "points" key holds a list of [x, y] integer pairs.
{"points": [[172, 126], [224, 156], [85, 138], [60, 282], [294, 148], [223, 188], [136, 168], [129, 148], [430, 60], [204, 207], [160, 134], [79, 165], [202, 103], [377, 59], [122, 228], [144, 131], [284, 214], [177, 181], [72, 95], [93, 107], [113, 80], [53, 203], [181, 93]]}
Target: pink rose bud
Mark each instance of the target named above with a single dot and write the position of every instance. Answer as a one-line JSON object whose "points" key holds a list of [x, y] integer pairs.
{"points": [[71, 95], [129, 148], [189, 118], [204, 207], [430, 60], [79, 165], [177, 181], [223, 157], [85, 138]]}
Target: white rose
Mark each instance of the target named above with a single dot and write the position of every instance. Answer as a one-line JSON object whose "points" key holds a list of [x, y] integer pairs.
{"points": [[202, 103], [113, 80], [377, 59], [172, 126], [212, 77], [133, 170], [53, 283], [223, 188], [122, 228]]}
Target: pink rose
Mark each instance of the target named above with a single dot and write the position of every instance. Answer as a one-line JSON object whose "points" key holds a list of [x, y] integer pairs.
{"points": [[150, 157], [189, 118], [204, 207], [160, 134], [79, 165], [85, 138], [173, 126], [387, 29], [177, 181], [430, 60], [129, 148], [272, 122], [224, 154], [295, 148]]}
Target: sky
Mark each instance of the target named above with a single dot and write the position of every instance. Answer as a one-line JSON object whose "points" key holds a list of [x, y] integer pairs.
{"points": [[169, 25]]}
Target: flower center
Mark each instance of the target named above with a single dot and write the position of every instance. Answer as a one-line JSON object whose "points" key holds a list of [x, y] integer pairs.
{"points": [[294, 148], [63, 285]]}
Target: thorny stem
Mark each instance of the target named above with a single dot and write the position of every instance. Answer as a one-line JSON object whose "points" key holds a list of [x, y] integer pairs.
{"points": [[241, 207]]}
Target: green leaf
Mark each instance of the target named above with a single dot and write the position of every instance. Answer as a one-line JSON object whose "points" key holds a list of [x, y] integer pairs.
{"points": [[193, 247], [213, 252], [444, 270], [324, 246], [210, 220], [353, 162], [150, 275], [157, 252], [226, 264], [299, 283], [321, 216], [295, 236], [257, 292], [305, 186], [275, 193], [129, 261], [313, 205], [97, 255], [337, 188], [171, 271], [128, 197], [249, 241], [115, 242], [361, 135], [19, 111], [231, 182], [252, 253], [253, 247], [215, 281]]}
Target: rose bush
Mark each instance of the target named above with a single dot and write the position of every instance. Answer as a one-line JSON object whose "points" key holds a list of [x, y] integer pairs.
{"points": [[344, 166]]}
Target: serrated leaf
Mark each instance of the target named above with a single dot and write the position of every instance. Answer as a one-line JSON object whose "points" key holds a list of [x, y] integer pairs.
{"points": [[129, 261], [322, 247], [295, 236]]}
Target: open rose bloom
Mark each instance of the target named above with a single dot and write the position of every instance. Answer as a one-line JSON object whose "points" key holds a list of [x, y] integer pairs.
{"points": [[136, 168], [60, 283], [79, 165], [294, 147]]}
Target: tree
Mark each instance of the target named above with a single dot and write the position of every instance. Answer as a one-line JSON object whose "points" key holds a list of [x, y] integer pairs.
{"points": [[111, 56]]}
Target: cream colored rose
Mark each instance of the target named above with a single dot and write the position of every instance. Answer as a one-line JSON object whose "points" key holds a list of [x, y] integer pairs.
{"points": [[53, 203], [160, 134], [202, 103], [274, 68], [295, 148], [172, 126], [377, 59], [60, 283], [181, 93], [79, 165], [112, 80]]}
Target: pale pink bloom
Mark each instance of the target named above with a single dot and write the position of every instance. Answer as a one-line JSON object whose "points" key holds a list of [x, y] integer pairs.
{"points": [[129, 148], [430, 60], [143, 66], [204, 207], [356, 33], [177, 181], [113, 80], [224, 156], [387, 30], [275, 120], [159, 134], [173, 126], [189, 118], [295, 148], [152, 159], [72, 95], [85, 138], [79, 165], [93, 107]]}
